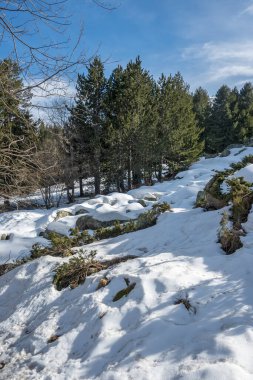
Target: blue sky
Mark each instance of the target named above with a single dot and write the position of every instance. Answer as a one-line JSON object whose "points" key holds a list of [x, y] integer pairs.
{"points": [[209, 41]]}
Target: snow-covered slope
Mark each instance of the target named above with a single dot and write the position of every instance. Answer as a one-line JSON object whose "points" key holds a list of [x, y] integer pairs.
{"points": [[145, 335]]}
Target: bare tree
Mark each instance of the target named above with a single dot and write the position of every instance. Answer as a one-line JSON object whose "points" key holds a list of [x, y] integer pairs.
{"points": [[45, 69]]}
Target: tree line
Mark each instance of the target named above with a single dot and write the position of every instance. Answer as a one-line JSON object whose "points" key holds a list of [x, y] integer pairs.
{"points": [[120, 132]]}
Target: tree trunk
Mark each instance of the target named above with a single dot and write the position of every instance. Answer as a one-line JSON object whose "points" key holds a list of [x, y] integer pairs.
{"points": [[160, 171], [97, 182], [129, 170], [81, 187]]}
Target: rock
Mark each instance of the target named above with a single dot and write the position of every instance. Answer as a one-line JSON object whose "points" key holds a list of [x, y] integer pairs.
{"points": [[232, 146], [201, 199], [87, 222], [46, 234], [208, 201], [81, 212], [213, 203], [5, 237], [225, 153], [142, 202], [210, 155], [62, 214], [150, 197]]}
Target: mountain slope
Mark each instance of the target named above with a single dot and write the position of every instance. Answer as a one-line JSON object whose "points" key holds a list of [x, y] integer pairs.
{"points": [[149, 334]]}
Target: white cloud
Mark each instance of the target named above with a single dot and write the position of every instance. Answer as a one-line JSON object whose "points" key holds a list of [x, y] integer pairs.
{"points": [[222, 61], [248, 10], [230, 71], [221, 51]]}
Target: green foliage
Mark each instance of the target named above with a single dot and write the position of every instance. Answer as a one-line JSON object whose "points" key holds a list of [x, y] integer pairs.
{"points": [[221, 124], [201, 107], [145, 220], [86, 122], [238, 188], [244, 162], [61, 245], [242, 199], [179, 144], [75, 271]]}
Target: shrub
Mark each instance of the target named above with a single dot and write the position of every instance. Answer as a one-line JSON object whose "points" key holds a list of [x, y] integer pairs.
{"points": [[230, 240], [76, 270], [61, 245]]}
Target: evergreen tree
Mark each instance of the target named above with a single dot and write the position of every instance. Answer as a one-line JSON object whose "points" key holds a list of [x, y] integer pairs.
{"points": [[245, 113], [201, 108], [130, 100], [179, 136], [220, 126], [87, 120]]}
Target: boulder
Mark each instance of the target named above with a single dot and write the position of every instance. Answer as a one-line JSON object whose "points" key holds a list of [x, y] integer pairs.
{"points": [[201, 199], [5, 237], [210, 155], [214, 203], [150, 197], [142, 202], [81, 211], [87, 222], [209, 201], [62, 214], [225, 153]]}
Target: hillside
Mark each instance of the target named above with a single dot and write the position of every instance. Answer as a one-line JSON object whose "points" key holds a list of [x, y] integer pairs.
{"points": [[187, 316]]}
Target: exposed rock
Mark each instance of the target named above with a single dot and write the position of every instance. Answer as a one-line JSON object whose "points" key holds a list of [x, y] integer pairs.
{"points": [[213, 203], [150, 197], [142, 202], [5, 237], [81, 211], [62, 214], [210, 155], [209, 201], [87, 222], [46, 234], [225, 153], [201, 198]]}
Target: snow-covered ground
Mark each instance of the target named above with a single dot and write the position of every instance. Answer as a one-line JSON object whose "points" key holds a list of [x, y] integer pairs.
{"points": [[145, 335]]}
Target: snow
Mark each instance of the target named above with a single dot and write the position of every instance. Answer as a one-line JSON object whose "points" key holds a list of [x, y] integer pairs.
{"points": [[246, 173], [145, 335]]}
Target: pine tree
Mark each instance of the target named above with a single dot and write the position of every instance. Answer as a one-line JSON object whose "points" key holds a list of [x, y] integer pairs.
{"points": [[130, 104], [220, 128], [179, 136], [245, 110], [201, 108], [87, 120]]}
